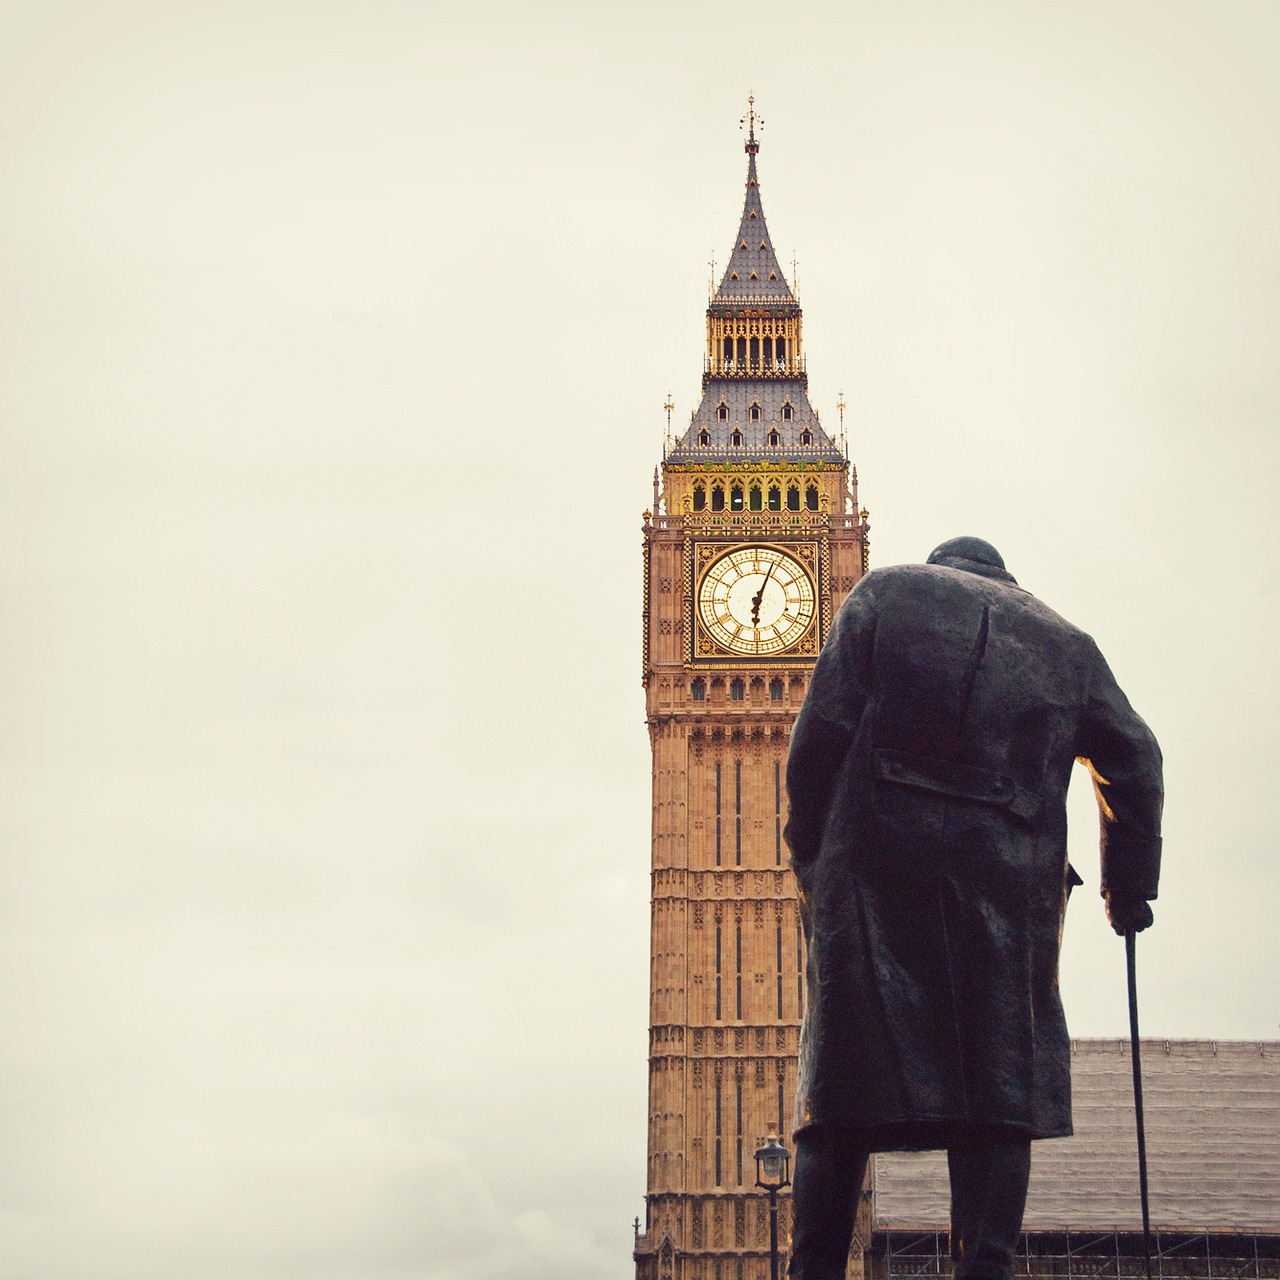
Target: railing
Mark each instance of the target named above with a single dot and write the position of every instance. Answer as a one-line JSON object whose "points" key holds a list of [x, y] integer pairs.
{"points": [[1089, 1255], [731, 365], [763, 453], [761, 299], [752, 369], [755, 520]]}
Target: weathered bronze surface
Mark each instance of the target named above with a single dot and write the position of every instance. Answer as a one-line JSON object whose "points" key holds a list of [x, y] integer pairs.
{"points": [[928, 776]]}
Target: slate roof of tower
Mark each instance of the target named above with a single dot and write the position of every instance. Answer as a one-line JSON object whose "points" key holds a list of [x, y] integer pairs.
{"points": [[1213, 1146], [738, 395], [753, 270]]}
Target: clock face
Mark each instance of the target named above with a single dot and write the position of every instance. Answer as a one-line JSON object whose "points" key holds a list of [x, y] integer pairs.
{"points": [[756, 601]]}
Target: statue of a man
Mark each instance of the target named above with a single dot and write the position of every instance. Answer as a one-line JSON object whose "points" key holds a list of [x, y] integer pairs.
{"points": [[928, 777]]}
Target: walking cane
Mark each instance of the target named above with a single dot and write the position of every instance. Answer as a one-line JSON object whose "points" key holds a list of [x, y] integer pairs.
{"points": [[1131, 963]]}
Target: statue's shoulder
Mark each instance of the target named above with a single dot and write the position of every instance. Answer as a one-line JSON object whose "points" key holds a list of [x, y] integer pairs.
{"points": [[935, 586], [894, 577], [905, 581], [880, 587]]}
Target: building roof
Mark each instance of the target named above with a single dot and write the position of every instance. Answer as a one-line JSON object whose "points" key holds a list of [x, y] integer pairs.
{"points": [[772, 396], [1213, 1146]]}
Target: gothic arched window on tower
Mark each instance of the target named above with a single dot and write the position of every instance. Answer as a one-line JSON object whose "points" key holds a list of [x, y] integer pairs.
{"points": [[737, 689], [699, 497], [811, 498], [775, 498], [755, 498], [774, 437], [742, 347], [727, 349], [735, 498], [780, 345], [698, 690], [787, 412], [736, 438], [755, 413], [793, 497], [722, 411], [704, 437], [717, 498], [775, 690], [806, 436]]}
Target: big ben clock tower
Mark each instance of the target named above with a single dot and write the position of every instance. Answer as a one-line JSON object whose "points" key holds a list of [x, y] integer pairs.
{"points": [[755, 541]]}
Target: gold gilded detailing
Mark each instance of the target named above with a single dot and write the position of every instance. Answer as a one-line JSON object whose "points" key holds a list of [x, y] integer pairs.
{"points": [[747, 521], [722, 462], [756, 601], [754, 342]]}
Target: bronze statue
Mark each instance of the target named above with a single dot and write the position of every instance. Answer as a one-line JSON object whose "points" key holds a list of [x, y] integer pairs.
{"points": [[927, 777]]}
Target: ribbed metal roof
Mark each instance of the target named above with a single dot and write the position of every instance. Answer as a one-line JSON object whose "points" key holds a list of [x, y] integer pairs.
{"points": [[1213, 1146]]}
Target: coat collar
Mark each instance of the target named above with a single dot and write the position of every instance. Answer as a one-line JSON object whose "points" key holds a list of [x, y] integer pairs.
{"points": [[975, 566]]}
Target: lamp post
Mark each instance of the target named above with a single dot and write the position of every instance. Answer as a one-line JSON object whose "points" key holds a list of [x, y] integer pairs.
{"points": [[773, 1172]]}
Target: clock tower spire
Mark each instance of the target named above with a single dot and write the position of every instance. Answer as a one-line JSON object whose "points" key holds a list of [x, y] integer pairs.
{"points": [[755, 541]]}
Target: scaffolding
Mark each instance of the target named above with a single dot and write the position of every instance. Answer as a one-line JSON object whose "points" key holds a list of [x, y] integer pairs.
{"points": [[1089, 1255]]}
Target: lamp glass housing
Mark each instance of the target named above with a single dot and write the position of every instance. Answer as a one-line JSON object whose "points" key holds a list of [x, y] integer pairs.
{"points": [[773, 1165]]}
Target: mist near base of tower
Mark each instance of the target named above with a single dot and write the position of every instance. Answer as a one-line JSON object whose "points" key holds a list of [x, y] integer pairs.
{"points": [[337, 339]]}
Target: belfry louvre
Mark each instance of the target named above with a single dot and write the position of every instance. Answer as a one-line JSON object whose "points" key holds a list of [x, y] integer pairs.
{"points": [[754, 541]]}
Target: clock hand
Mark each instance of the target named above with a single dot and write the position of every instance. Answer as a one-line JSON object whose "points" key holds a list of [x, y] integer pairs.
{"points": [[758, 598]]}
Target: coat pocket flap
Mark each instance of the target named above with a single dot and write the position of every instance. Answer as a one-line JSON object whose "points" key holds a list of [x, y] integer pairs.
{"points": [[946, 777]]}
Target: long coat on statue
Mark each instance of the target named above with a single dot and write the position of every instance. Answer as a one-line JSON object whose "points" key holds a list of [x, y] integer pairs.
{"points": [[927, 779]]}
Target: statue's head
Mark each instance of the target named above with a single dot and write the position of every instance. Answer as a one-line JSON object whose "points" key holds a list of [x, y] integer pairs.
{"points": [[974, 550]]}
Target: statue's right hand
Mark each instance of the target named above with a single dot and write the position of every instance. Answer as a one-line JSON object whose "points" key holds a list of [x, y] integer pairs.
{"points": [[1128, 912]]}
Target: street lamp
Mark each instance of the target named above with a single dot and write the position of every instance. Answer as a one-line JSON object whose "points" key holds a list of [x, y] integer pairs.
{"points": [[773, 1172]]}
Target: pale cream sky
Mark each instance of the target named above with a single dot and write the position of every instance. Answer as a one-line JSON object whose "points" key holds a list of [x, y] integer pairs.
{"points": [[335, 343]]}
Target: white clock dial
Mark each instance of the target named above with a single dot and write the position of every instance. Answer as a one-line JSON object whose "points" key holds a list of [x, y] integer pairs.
{"points": [[756, 601]]}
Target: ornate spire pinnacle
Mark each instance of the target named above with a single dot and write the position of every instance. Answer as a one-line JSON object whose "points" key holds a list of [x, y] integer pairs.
{"points": [[749, 121], [753, 271]]}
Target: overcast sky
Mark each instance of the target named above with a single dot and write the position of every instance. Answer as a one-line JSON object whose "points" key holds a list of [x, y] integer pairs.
{"points": [[335, 340]]}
